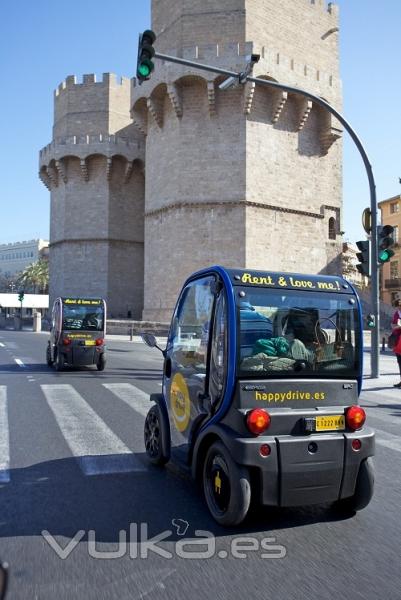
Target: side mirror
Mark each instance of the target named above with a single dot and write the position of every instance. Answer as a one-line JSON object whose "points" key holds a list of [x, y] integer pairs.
{"points": [[149, 340]]}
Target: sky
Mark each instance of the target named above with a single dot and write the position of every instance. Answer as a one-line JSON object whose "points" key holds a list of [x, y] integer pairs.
{"points": [[43, 41]]}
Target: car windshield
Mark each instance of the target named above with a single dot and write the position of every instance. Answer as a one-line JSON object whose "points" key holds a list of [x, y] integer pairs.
{"points": [[88, 318], [298, 334]]}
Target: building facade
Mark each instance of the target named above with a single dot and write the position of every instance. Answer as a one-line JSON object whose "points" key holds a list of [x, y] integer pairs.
{"points": [[16, 256], [390, 273], [247, 177], [349, 267]]}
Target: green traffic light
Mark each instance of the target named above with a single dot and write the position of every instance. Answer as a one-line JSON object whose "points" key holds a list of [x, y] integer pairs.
{"points": [[144, 70], [385, 255]]}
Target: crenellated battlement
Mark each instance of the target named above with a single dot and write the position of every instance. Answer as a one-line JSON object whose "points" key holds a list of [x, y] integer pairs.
{"points": [[87, 80], [82, 146], [328, 7], [273, 64]]}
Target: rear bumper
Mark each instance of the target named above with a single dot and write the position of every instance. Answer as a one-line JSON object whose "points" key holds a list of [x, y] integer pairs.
{"points": [[81, 356], [292, 475]]}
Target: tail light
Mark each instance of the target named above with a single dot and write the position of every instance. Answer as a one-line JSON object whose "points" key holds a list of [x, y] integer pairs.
{"points": [[99, 341], [258, 420], [265, 450], [67, 341], [355, 417]]}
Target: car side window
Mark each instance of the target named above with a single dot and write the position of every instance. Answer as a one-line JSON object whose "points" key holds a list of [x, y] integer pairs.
{"points": [[192, 325], [218, 355]]}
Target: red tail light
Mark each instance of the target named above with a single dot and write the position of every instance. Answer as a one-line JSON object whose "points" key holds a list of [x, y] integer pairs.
{"points": [[355, 417], [66, 341], [99, 341], [258, 420]]}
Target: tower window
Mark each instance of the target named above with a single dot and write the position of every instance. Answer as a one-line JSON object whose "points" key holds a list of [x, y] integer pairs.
{"points": [[332, 228]]}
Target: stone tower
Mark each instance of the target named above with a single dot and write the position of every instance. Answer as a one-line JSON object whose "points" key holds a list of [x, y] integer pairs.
{"points": [[249, 176], [94, 168], [245, 177]]}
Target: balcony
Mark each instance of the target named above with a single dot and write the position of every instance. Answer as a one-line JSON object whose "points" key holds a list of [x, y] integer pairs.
{"points": [[394, 283]]}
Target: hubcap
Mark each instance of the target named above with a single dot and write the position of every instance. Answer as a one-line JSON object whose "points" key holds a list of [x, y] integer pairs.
{"points": [[218, 483], [152, 434]]}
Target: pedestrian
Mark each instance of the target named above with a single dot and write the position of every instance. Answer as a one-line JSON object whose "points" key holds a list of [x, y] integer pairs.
{"points": [[396, 329]]}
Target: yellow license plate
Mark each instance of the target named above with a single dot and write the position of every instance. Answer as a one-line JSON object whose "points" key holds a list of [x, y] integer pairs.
{"points": [[90, 342], [330, 423]]}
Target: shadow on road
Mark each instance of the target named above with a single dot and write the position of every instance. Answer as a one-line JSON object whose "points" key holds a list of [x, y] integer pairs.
{"points": [[57, 497]]}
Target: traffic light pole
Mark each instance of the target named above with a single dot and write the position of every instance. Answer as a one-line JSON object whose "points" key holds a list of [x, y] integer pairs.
{"points": [[243, 78]]}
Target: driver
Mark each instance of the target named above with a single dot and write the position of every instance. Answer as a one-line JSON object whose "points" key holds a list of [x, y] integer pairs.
{"points": [[90, 321]]}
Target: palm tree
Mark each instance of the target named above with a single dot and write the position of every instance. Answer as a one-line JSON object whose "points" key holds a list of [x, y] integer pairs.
{"points": [[35, 275]]}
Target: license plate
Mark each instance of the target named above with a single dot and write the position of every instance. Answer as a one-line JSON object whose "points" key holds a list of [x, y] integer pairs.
{"points": [[330, 423], [90, 342]]}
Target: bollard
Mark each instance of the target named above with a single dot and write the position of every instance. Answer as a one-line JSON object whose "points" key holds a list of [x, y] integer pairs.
{"points": [[383, 344], [131, 333]]}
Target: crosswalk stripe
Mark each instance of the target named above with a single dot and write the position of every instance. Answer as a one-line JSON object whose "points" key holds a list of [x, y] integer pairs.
{"points": [[4, 437], [131, 395], [380, 415], [388, 440], [98, 449]]}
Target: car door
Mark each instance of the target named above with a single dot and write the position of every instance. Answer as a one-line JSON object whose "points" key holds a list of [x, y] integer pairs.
{"points": [[186, 371]]}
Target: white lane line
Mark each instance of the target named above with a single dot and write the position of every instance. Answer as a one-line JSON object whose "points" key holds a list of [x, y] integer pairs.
{"points": [[19, 362], [98, 449], [373, 414], [131, 395], [4, 437], [388, 440], [2, 345]]}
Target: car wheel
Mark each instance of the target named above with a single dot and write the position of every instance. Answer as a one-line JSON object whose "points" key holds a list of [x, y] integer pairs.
{"points": [[101, 363], [226, 486], [49, 355], [363, 489], [153, 436], [59, 362]]}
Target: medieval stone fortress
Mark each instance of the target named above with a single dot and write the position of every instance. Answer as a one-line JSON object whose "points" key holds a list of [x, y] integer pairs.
{"points": [[149, 183]]}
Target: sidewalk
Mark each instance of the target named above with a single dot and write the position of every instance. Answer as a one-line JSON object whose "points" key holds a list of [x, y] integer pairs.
{"points": [[162, 341], [388, 373]]}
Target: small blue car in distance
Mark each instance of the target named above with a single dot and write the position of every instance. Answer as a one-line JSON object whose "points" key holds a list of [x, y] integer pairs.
{"points": [[261, 378]]}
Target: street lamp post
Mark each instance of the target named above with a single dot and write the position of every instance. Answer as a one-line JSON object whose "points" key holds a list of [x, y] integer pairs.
{"points": [[245, 76]]}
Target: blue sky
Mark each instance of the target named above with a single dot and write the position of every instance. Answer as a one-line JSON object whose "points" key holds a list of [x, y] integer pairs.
{"points": [[43, 41]]}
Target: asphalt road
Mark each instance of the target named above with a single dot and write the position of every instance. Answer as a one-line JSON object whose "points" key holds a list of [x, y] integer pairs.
{"points": [[50, 482]]}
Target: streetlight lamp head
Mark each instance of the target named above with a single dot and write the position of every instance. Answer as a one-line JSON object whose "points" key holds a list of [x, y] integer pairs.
{"points": [[228, 83]]}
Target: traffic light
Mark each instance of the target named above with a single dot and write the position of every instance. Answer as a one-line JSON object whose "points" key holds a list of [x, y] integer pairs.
{"points": [[21, 296], [384, 243], [370, 320], [146, 52], [363, 256]]}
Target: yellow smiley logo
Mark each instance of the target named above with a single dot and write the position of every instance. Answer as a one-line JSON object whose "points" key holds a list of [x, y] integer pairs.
{"points": [[179, 402]]}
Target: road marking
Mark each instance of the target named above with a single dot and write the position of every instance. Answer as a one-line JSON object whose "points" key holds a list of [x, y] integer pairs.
{"points": [[131, 395], [388, 440], [98, 449], [19, 362], [4, 437], [2, 345], [380, 415]]}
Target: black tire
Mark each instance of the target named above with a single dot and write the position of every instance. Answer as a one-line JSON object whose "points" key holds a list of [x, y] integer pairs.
{"points": [[59, 362], [101, 363], [49, 355], [153, 437], [229, 500], [363, 489]]}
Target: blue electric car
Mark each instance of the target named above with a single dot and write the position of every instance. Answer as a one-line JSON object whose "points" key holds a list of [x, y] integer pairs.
{"points": [[262, 373]]}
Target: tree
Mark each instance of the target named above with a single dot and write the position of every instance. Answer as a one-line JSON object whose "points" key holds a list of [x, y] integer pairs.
{"points": [[35, 276]]}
